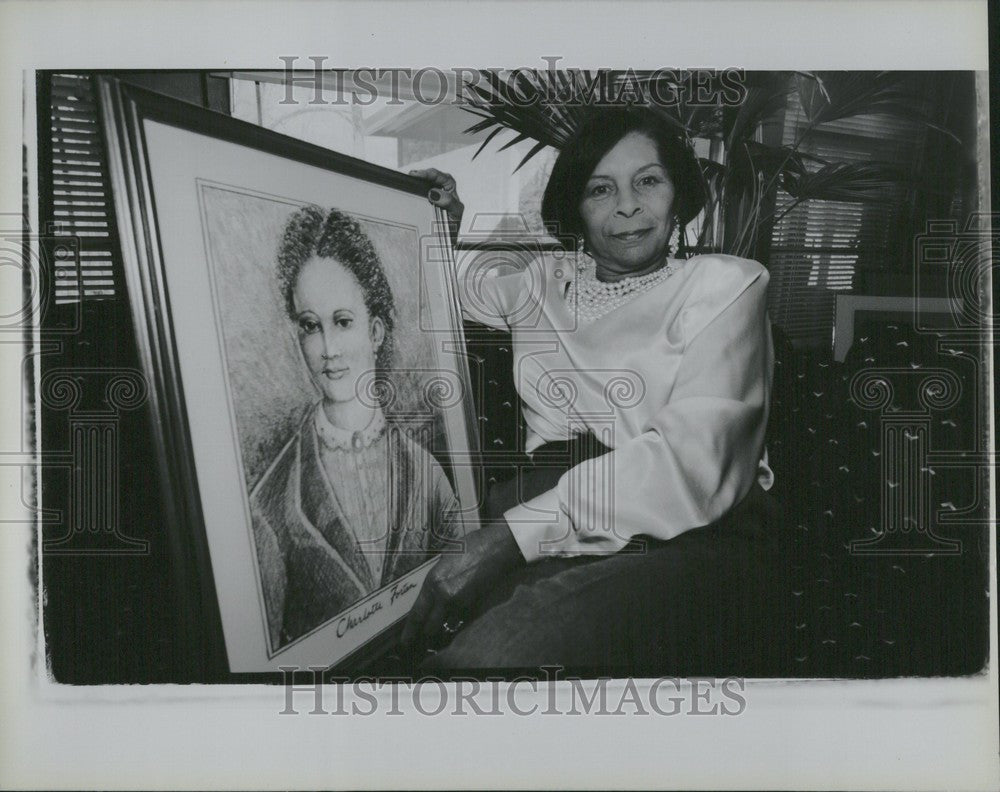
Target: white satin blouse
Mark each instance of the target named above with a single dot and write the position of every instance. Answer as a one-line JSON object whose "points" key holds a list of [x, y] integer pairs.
{"points": [[677, 382]]}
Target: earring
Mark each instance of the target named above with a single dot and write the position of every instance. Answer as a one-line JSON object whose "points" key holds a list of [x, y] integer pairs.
{"points": [[675, 237], [583, 257]]}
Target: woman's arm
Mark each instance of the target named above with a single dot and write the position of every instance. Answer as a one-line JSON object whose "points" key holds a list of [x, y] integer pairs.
{"points": [[697, 458], [698, 455], [443, 193], [487, 296], [459, 580]]}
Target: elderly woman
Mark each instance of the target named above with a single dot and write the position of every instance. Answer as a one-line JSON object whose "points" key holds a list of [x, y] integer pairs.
{"points": [[351, 502], [640, 543]]}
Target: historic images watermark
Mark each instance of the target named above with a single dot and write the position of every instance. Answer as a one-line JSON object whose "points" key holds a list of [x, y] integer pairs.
{"points": [[429, 85], [914, 407], [521, 696], [51, 275]]}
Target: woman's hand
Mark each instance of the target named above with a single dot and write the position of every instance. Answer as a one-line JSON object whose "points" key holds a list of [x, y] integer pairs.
{"points": [[459, 579], [443, 194]]}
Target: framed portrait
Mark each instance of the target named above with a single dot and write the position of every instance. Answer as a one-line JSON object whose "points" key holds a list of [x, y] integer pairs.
{"points": [[296, 315]]}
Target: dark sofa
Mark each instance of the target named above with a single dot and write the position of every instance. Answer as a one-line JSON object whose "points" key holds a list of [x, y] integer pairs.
{"points": [[911, 601]]}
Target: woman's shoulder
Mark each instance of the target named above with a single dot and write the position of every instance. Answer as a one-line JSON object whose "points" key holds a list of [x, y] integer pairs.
{"points": [[718, 271], [715, 276], [716, 280]]}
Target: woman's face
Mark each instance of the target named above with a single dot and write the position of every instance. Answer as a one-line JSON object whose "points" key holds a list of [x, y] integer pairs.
{"points": [[627, 207], [338, 338]]}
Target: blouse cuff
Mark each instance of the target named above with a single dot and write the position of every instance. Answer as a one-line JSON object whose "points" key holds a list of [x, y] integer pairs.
{"points": [[539, 525]]}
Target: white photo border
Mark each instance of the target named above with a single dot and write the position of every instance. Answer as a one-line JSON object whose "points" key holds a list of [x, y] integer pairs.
{"points": [[874, 734]]}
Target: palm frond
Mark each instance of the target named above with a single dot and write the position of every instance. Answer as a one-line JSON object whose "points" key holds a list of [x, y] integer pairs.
{"points": [[531, 153], [832, 96], [845, 181], [523, 102], [549, 106], [486, 142], [765, 95]]}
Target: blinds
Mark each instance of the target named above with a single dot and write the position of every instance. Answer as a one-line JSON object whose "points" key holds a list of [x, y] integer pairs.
{"points": [[80, 196], [818, 247]]}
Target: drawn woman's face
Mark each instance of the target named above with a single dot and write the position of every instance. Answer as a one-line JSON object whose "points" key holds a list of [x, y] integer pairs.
{"points": [[337, 336]]}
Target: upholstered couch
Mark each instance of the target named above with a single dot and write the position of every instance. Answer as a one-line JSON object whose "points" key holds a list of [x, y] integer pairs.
{"points": [[909, 604]]}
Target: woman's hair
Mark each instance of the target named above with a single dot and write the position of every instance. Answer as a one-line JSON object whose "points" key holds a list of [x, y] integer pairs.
{"points": [[595, 138], [312, 232]]}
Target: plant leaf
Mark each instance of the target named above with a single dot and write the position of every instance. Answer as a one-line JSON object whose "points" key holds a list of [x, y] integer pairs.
{"points": [[832, 96], [489, 137], [534, 150], [846, 181]]}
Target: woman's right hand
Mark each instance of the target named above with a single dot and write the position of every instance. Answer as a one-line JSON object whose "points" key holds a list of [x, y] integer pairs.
{"points": [[443, 193]]}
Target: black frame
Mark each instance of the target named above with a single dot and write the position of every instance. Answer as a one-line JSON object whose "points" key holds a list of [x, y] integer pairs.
{"points": [[123, 109]]}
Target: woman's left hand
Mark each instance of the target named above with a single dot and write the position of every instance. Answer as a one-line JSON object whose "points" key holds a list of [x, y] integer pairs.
{"points": [[459, 579]]}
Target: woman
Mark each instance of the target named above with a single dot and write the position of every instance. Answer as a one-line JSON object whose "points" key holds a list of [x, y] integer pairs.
{"points": [[351, 502], [680, 472]]}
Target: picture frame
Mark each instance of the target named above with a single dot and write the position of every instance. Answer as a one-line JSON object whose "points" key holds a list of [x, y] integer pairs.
{"points": [[279, 565]]}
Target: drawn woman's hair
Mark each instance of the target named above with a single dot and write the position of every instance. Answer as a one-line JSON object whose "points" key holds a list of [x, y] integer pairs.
{"points": [[311, 231]]}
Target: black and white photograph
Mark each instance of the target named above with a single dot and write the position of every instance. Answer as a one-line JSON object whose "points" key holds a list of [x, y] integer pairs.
{"points": [[777, 451], [518, 383]]}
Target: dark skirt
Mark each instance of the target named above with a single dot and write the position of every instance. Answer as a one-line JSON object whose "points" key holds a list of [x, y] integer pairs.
{"points": [[713, 601]]}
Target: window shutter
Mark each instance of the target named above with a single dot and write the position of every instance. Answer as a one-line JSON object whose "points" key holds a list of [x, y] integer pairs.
{"points": [[80, 197], [817, 247]]}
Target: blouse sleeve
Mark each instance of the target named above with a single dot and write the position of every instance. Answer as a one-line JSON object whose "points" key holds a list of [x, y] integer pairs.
{"points": [[489, 293], [694, 459]]}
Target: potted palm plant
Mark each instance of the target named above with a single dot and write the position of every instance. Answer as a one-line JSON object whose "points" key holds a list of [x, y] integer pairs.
{"points": [[747, 163]]}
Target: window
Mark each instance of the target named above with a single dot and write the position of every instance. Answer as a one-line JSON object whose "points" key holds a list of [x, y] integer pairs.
{"points": [[401, 133], [819, 247]]}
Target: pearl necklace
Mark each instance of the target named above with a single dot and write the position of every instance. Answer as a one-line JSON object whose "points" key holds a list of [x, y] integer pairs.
{"points": [[595, 298]]}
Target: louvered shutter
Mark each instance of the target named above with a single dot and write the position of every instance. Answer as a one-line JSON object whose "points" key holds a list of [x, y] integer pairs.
{"points": [[80, 196], [818, 246]]}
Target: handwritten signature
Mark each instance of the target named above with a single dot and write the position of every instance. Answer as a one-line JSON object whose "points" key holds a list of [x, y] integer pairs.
{"points": [[358, 617], [399, 590]]}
